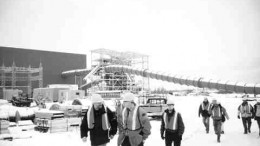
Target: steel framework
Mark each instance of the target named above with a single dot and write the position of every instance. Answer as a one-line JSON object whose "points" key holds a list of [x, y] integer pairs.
{"points": [[119, 80], [11, 75]]}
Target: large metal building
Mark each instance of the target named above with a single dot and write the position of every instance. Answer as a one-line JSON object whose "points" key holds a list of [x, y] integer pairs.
{"points": [[43, 67]]}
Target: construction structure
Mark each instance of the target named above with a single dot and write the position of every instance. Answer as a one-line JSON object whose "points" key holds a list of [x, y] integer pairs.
{"points": [[11, 77], [98, 80], [101, 58], [116, 71]]}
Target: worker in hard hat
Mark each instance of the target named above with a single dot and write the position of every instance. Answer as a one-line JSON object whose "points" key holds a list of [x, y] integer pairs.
{"points": [[217, 113], [246, 111], [172, 126], [99, 121], [136, 124], [204, 112]]}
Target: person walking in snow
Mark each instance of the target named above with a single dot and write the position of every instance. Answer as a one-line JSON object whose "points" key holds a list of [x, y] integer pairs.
{"points": [[246, 111], [204, 112], [99, 121], [136, 124], [217, 113], [257, 113], [172, 126]]}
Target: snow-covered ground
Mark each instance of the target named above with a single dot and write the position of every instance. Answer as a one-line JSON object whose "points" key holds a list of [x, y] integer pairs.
{"points": [[194, 134]]}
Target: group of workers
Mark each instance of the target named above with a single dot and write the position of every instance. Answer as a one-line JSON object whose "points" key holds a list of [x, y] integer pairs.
{"points": [[131, 122], [219, 115], [133, 125]]}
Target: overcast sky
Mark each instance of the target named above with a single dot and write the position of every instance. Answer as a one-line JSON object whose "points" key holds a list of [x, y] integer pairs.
{"points": [[218, 39]]}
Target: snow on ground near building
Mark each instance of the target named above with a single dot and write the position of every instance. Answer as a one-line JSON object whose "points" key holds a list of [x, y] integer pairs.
{"points": [[194, 135]]}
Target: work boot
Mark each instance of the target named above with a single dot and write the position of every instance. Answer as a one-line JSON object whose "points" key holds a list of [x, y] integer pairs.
{"points": [[249, 131], [218, 139]]}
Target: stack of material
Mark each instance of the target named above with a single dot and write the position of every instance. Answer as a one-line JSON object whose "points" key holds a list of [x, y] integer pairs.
{"points": [[44, 120], [58, 125], [4, 124], [74, 122], [71, 110], [49, 114], [26, 125]]}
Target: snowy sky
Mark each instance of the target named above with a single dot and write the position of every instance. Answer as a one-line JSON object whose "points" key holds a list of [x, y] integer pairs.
{"points": [[218, 39]]}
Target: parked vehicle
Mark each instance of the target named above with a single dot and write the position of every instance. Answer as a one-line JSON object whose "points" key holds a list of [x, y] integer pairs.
{"points": [[155, 106]]}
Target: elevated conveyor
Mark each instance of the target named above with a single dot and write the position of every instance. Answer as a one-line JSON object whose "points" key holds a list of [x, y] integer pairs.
{"points": [[90, 80], [238, 87]]}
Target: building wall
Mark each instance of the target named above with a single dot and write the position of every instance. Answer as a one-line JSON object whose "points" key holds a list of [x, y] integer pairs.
{"points": [[53, 63]]}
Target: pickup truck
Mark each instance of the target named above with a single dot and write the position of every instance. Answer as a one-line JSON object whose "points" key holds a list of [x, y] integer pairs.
{"points": [[155, 107]]}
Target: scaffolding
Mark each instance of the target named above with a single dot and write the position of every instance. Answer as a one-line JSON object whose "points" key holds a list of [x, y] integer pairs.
{"points": [[119, 80], [20, 77]]}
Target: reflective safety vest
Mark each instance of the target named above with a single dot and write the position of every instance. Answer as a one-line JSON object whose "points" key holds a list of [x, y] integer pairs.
{"points": [[172, 124], [131, 120], [205, 107], [90, 119], [245, 110], [216, 112]]}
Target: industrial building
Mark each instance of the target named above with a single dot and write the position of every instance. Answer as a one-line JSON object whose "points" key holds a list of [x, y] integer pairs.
{"points": [[26, 69]]}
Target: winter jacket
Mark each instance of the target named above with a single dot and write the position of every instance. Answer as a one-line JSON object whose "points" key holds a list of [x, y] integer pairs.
{"points": [[204, 109], [217, 111], [136, 126], [99, 134], [246, 110], [257, 110], [172, 122], [119, 110]]}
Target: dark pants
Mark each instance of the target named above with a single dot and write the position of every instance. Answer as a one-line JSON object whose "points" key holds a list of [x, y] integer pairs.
{"points": [[126, 142], [258, 123], [172, 138], [247, 124], [205, 121], [217, 126]]}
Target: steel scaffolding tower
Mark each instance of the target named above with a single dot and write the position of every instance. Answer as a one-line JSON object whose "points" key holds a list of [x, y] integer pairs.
{"points": [[10, 76], [119, 80]]}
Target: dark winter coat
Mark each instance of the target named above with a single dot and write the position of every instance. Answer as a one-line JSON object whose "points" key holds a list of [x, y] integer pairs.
{"points": [[257, 111], [180, 125], [99, 136]]}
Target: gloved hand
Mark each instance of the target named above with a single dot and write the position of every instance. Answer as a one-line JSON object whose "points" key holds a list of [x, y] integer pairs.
{"points": [[144, 140], [238, 117], [180, 136], [111, 136], [84, 139], [162, 137]]}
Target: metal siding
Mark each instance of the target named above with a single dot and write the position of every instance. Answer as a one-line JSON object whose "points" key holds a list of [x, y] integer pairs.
{"points": [[53, 63]]}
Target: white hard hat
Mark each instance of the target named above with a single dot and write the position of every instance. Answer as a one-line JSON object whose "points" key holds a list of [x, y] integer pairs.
{"points": [[170, 101], [96, 98], [244, 99], [129, 97], [214, 101]]}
